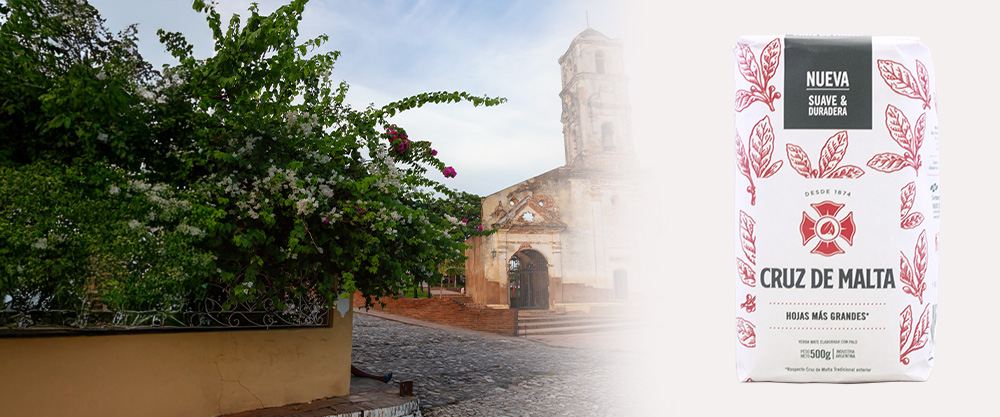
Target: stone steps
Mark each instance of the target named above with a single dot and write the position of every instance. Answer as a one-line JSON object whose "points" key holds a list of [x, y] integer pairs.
{"points": [[541, 322], [576, 329]]}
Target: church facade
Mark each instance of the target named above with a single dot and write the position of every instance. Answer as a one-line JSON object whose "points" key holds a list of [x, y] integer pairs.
{"points": [[568, 235]]}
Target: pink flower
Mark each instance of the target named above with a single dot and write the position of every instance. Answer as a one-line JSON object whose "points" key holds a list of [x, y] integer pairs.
{"points": [[465, 220], [449, 172], [480, 227], [434, 152], [398, 140]]}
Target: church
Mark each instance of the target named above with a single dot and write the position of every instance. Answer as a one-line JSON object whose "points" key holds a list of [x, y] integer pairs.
{"points": [[567, 237]]}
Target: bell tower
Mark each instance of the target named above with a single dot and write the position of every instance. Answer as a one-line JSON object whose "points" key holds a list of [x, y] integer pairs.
{"points": [[596, 117]]}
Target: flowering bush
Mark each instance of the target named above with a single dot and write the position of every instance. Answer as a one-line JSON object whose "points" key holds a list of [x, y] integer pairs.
{"points": [[239, 176]]}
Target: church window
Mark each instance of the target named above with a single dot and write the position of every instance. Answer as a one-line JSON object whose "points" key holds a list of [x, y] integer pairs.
{"points": [[608, 136], [599, 62], [528, 217]]}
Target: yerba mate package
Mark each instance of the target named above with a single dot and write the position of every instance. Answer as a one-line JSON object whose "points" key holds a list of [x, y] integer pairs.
{"points": [[836, 209]]}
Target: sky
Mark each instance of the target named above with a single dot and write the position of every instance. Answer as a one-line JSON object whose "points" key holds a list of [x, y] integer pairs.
{"points": [[396, 48]]}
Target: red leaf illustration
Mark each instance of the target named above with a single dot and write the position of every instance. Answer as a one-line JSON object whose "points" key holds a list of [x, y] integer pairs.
{"points": [[746, 63], [758, 161], [772, 169], [742, 162], [829, 157], [911, 221], [888, 162], [746, 273], [761, 146], [744, 99], [799, 161], [746, 333], [912, 275], [906, 196], [902, 81], [899, 127], [769, 59], [747, 238], [920, 266], [906, 275], [921, 333], [758, 75], [898, 78], [905, 325], [846, 171], [832, 152], [924, 84], [910, 140], [918, 135], [741, 158]]}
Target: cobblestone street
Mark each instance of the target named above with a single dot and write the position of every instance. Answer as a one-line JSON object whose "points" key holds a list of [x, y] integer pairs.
{"points": [[462, 373]]}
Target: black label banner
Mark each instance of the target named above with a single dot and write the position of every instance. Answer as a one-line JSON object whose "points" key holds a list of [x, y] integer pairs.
{"points": [[828, 82]]}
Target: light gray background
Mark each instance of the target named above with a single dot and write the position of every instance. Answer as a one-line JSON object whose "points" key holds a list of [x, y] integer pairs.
{"points": [[682, 93]]}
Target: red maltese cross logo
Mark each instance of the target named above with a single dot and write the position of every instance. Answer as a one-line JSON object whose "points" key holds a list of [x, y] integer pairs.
{"points": [[827, 228]]}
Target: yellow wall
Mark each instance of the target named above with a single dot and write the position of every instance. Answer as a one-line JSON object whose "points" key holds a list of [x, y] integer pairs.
{"points": [[177, 374]]}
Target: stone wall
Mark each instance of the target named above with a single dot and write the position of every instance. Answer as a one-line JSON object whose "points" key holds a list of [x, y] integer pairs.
{"points": [[196, 374], [452, 311], [478, 285]]}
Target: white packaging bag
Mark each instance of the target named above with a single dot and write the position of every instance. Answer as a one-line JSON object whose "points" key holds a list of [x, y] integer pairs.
{"points": [[837, 209]]}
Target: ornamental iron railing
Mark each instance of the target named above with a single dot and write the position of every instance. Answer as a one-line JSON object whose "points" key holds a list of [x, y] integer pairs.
{"points": [[27, 318]]}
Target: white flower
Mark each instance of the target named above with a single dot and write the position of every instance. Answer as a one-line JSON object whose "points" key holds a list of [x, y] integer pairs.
{"points": [[191, 230], [41, 243], [132, 224], [113, 190], [138, 186], [305, 206], [103, 137]]}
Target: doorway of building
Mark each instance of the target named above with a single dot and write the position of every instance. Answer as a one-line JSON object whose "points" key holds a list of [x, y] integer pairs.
{"points": [[528, 284]]}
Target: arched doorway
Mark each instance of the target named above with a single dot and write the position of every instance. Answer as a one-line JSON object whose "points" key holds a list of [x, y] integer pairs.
{"points": [[528, 280]]}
